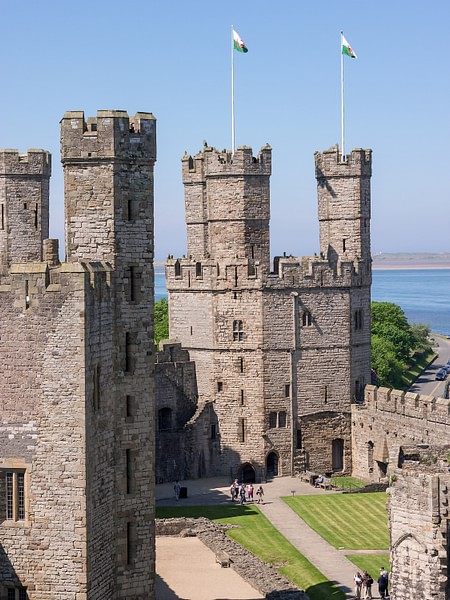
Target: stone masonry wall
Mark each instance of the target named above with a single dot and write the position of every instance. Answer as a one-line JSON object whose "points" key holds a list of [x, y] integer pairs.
{"points": [[419, 524], [389, 419]]}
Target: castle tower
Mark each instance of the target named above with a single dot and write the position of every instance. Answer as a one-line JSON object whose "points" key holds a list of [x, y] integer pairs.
{"points": [[108, 173], [344, 204], [24, 205], [227, 200], [281, 355]]}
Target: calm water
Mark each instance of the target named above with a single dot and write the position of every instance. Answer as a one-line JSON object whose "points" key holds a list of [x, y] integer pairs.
{"points": [[424, 295]]}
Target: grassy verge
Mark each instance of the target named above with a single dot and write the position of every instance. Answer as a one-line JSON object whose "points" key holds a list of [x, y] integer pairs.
{"points": [[418, 363], [258, 535], [353, 521], [347, 483], [371, 563]]}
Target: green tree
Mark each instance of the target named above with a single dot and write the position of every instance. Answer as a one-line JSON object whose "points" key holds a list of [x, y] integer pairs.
{"points": [[421, 334], [161, 320]]}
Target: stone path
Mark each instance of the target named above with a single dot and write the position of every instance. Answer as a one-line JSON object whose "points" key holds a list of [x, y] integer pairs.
{"points": [[331, 562]]}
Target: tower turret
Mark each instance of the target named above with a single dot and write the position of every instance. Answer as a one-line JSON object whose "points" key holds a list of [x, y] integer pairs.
{"points": [[24, 205], [227, 199], [344, 204]]}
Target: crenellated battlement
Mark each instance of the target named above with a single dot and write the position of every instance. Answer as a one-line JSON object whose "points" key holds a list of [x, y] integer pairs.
{"points": [[407, 404], [330, 164], [112, 133], [33, 162], [211, 162]]}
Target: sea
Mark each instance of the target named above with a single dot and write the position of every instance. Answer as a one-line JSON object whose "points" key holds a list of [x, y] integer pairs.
{"points": [[423, 294]]}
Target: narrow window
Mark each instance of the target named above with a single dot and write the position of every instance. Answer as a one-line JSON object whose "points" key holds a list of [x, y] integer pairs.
{"points": [[358, 319], [191, 329], [177, 268], [2, 224], [252, 251], [129, 406], [213, 431], [25, 206], [96, 387], [242, 397], [128, 471], [198, 269], [219, 386], [242, 364], [242, 430], [287, 390], [234, 295], [282, 419], [235, 276], [218, 270], [129, 209], [238, 331], [272, 420], [132, 283], [15, 495], [165, 419], [36, 217], [27, 294], [306, 319], [131, 534], [299, 439], [325, 394], [343, 245]]}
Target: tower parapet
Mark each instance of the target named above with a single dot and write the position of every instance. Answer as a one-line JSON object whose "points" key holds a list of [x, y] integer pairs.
{"points": [[24, 205], [344, 203], [227, 199]]}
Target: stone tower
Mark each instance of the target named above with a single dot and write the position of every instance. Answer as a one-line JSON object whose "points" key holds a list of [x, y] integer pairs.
{"points": [[281, 353], [24, 193], [77, 345]]}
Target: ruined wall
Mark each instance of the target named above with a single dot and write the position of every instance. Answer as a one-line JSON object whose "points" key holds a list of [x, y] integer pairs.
{"points": [[419, 524], [389, 419]]}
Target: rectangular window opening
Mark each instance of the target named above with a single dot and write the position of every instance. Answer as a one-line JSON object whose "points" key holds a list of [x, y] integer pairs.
{"points": [[27, 294], [287, 390], [219, 386], [242, 397], [242, 364], [2, 222], [242, 430], [15, 495]]}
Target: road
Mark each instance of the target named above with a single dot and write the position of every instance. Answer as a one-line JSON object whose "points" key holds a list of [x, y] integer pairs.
{"points": [[426, 383]]}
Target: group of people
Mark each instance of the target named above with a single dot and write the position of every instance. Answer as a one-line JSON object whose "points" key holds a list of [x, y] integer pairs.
{"points": [[243, 493], [364, 582]]}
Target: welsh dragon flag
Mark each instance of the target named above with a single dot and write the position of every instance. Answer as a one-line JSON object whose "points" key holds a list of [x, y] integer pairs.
{"points": [[347, 49], [238, 43]]}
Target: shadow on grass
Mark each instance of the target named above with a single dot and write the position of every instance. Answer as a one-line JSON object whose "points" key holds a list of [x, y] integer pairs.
{"points": [[210, 512], [326, 591]]}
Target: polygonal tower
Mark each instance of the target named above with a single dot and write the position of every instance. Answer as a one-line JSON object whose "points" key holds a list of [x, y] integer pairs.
{"points": [[24, 204]]}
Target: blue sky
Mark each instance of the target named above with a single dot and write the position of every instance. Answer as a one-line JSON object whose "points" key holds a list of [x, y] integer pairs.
{"points": [[173, 59]]}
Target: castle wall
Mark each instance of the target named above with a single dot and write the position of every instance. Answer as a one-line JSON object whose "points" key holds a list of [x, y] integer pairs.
{"points": [[42, 431], [389, 419], [419, 525]]}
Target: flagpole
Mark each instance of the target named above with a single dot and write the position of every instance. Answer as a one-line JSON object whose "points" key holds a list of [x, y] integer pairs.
{"points": [[232, 92], [342, 99]]}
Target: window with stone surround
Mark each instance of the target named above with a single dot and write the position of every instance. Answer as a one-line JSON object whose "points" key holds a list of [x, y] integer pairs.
{"points": [[277, 419], [219, 386], [358, 319], [238, 331], [13, 484], [287, 390], [2, 217], [306, 319]]}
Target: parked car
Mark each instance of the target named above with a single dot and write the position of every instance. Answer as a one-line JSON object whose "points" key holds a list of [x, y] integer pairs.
{"points": [[441, 374]]}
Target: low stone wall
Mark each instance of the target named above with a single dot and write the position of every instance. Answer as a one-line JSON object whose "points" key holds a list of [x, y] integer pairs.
{"points": [[260, 575]]}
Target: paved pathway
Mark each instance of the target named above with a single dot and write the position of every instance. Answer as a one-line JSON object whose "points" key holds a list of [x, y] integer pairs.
{"points": [[327, 559], [330, 561]]}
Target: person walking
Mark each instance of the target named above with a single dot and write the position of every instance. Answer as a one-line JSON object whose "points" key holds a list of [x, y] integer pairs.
{"points": [[177, 489], [383, 583], [358, 584], [242, 493], [260, 494], [250, 492], [367, 585]]}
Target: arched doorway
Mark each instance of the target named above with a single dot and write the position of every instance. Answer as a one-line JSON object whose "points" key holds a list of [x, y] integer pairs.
{"points": [[248, 474], [337, 454], [272, 465]]}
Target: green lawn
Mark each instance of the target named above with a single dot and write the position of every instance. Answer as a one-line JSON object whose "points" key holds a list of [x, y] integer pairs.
{"points": [[260, 537], [353, 521], [347, 483], [370, 563]]}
